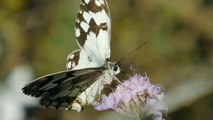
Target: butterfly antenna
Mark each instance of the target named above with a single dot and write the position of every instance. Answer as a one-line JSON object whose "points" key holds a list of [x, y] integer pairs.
{"points": [[132, 51]]}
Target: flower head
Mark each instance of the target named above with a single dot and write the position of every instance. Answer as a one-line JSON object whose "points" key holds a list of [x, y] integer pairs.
{"points": [[135, 97]]}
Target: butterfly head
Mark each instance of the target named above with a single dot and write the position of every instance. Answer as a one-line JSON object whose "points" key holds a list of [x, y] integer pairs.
{"points": [[114, 67]]}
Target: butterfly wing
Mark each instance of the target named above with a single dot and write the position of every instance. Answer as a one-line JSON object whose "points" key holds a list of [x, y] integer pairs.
{"points": [[80, 59], [61, 89], [73, 59], [93, 33]]}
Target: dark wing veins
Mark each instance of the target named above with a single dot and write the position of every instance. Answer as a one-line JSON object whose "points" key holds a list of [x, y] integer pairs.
{"points": [[61, 89]]}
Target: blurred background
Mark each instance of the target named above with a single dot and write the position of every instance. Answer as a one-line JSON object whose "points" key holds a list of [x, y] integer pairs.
{"points": [[37, 35]]}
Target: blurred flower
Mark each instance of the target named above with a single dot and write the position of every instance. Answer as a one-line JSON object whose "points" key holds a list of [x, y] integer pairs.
{"points": [[136, 98]]}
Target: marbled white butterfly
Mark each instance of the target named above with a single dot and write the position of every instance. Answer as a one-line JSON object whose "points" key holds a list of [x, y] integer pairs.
{"points": [[88, 69]]}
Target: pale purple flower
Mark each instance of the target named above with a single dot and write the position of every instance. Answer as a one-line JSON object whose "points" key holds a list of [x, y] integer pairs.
{"points": [[135, 97]]}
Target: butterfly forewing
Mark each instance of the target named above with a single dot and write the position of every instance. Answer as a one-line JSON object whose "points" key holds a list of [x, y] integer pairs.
{"points": [[92, 30], [61, 89]]}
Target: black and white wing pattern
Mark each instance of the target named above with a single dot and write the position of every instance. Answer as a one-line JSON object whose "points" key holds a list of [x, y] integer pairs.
{"points": [[88, 69], [60, 89], [93, 34]]}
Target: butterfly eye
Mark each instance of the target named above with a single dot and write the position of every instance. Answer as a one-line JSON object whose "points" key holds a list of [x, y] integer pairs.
{"points": [[116, 68]]}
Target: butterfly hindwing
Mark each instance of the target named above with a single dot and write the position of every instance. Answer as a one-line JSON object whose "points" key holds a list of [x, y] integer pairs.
{"points": [[73, 59], [61, 89]]}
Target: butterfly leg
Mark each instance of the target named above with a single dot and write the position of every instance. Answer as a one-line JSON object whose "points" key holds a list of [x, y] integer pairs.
{"points": [[117, 80]]}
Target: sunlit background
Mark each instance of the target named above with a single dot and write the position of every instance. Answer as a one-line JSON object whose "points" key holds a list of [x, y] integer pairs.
{"points": [[37, 35]]}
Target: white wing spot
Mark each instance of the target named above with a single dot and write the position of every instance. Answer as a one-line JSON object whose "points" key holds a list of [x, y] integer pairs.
{"points": [[77, 33], [87, 1], [85, 26], [102, 2], [73, 64], [80, 11], [69, 65], [72, 56], [97, 3], [100, 17], [87, 17], [77, 21]]}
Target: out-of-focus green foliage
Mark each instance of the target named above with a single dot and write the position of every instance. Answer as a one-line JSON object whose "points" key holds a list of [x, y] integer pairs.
{"points": [[179, 35]]}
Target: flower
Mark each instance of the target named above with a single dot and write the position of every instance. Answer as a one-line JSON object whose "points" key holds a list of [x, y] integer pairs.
{"points": [[135, 97]]}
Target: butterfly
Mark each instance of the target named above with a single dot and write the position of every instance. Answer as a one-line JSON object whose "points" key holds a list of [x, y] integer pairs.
{"points": [[89, 69]]}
